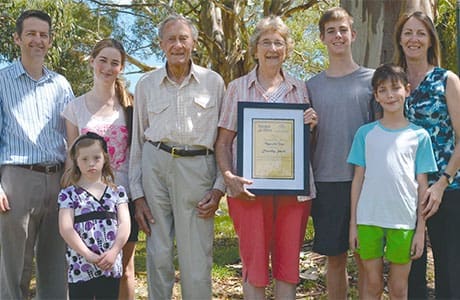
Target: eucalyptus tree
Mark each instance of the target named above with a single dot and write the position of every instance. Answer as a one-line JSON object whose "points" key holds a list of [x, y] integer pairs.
{"points": [[375, 21], [224, 30], [76, 27]]}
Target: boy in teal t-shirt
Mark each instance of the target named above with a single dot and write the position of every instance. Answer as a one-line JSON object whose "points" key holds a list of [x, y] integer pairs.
{"points": [[392, 158]]}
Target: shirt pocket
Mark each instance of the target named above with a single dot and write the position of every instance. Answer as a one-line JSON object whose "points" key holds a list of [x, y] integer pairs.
{"points": [[157, 107], [204, 101]]}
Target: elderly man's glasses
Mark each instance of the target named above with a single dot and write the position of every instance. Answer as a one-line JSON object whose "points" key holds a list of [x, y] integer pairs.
{"points": [[267, 44]]}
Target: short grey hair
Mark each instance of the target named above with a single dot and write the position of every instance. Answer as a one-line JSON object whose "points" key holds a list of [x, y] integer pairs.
{"points": [[271, 23], [178, 18]]}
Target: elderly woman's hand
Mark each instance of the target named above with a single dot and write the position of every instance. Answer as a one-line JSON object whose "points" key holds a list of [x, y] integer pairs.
{"points": [[310, 117], [235, 187]]}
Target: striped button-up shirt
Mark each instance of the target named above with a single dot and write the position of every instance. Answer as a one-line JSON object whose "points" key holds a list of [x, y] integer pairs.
{"points": [[185, 114], [31, 127]]}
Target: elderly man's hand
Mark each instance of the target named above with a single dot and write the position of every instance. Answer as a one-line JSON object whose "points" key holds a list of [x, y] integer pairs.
{"points": [[143, 215], [209, 204]]}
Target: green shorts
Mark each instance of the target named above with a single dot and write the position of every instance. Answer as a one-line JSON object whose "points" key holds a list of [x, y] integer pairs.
{"points": [[375, 242]]}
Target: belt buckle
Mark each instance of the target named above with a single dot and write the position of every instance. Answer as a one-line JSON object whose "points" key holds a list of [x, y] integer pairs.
{"points": [[173, 152], [50, 169]]}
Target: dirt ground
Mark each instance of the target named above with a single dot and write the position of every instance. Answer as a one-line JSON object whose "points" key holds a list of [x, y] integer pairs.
{"points": [[312, 283]]}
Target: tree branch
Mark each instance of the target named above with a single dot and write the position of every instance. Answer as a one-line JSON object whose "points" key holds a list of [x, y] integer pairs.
{"points": [[139, 64], [299, 8]]}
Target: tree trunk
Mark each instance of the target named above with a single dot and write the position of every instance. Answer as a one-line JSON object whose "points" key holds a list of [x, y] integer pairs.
{"points": [[374, 22], [223, 35]]}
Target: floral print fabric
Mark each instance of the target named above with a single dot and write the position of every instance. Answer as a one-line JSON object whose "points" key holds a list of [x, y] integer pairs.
{"points": [[98, 234], [112, 127], [426, 106]]}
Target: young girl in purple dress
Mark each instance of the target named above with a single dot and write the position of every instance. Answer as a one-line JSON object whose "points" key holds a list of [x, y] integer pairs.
{"points": [[106, 109], [93, 220]]}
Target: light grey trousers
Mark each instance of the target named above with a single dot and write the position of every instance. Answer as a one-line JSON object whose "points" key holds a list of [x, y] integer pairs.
{"points": [[30, 229], [173, 187]]}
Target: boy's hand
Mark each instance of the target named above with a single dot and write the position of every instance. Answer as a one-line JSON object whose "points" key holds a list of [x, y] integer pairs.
{"points": [[353, 238], [418, 244]]}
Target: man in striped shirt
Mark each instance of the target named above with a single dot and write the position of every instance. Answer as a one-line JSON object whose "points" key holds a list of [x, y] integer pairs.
{"points": [[32, 152]]}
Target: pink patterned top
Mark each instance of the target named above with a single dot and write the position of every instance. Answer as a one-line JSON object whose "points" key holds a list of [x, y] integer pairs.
{"points": [[112, 128]]}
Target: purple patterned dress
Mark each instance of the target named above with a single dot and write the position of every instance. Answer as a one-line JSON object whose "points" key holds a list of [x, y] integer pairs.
{"points": [[96, 223]]}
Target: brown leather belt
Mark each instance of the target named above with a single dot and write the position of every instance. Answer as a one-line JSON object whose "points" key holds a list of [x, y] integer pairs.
{"points": [[180, 151], [42, 168]]}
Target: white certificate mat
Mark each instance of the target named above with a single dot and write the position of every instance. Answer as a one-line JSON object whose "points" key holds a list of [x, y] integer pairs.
{"points": [[273, 147]]}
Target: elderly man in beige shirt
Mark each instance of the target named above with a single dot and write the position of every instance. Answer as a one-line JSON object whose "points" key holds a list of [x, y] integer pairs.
{"points": [[174, 179]]}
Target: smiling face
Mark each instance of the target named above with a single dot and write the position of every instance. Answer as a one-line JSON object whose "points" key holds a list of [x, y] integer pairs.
{"points": [[391, 94], [415, 39], [107, 65], [271, 50], [177, 43], [34, 40], [338, 36]]}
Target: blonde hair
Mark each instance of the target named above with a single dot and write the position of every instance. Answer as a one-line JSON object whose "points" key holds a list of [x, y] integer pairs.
{"points": [[73, 174], [271, 23]]}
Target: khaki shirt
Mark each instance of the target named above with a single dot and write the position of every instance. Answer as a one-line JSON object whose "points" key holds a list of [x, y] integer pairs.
{"points": [[185, 114]]}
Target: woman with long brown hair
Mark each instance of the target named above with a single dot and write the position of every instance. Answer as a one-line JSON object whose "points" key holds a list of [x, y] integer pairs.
{"points": [[107, 110], [434, 103]]}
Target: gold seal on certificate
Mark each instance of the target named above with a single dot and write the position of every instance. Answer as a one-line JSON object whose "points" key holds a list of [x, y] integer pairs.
{"points": [[273, 149]]}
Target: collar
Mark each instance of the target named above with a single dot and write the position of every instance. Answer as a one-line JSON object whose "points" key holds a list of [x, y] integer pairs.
{"points": [[252, 78], [193, 74], [19, 70]]}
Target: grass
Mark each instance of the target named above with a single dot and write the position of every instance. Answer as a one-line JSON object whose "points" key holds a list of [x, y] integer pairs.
{"points": [[226, 271]]}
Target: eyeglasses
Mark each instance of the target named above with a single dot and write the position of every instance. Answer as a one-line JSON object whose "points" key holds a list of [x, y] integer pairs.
{"points": [[267, 44]]}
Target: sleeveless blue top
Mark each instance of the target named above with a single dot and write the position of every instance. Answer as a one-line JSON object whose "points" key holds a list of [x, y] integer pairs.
{"points": [[426, 106]]}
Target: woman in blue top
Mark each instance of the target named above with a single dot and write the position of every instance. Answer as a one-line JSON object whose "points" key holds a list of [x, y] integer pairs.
{"points": [[434, 104]]}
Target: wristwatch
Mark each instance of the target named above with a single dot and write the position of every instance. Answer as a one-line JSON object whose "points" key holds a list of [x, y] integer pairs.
{"points": [[449, 178]]}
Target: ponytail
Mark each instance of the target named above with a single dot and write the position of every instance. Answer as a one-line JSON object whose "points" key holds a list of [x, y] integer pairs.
{"points": [[126, 101]]}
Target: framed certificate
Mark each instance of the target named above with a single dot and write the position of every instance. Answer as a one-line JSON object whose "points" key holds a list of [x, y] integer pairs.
{"points": [[273, 147]]}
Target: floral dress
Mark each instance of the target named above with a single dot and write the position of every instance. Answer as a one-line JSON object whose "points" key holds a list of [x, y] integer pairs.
{"points": [[95, 221]]}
